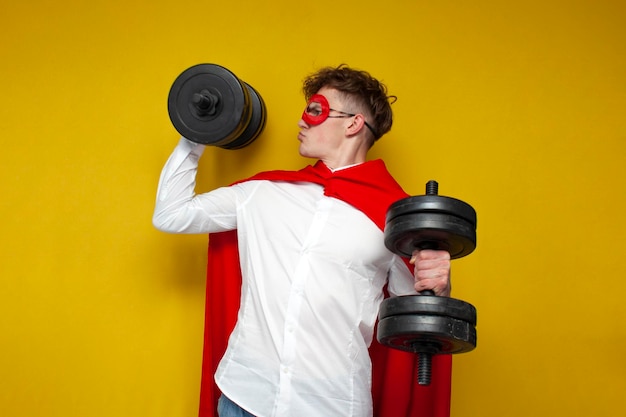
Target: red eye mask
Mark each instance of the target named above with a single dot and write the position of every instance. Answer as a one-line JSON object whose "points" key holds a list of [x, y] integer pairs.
{"points": [[316, 111]]}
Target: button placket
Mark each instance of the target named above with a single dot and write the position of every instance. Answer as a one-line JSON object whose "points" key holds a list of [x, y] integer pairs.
{"points": [[296, 298]]}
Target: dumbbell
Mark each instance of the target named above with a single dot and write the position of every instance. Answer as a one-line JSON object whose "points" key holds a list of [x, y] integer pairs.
{"points": [[208, 104], [426, 324]]}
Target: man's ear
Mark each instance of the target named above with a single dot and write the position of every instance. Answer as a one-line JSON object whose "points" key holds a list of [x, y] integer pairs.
{"points": [[356, 126]]}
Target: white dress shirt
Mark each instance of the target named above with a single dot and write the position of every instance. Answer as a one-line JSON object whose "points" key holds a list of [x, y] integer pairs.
{"points": [[313, 270]]}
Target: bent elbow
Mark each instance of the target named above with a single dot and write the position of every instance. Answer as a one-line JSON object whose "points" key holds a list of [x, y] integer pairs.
{"points": [[162, 223]]}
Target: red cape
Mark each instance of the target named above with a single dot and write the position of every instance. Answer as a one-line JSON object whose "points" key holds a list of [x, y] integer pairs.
{"points": [[395, 391]]}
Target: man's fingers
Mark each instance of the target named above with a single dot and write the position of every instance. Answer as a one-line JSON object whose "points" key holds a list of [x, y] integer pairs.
{"points": [[429, 254]]}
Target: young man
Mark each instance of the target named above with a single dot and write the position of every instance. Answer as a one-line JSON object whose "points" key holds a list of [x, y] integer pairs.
{"points": [[312, 258]]}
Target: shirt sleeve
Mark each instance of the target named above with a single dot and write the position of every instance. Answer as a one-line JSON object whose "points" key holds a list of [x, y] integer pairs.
{"points": [[401, 280], [179, 209]]}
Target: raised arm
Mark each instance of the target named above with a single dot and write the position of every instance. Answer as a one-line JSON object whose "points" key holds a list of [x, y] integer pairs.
{"points": [[179, 209]]}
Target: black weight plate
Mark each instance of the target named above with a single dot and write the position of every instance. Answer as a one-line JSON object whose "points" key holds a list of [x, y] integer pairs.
{"points": [[434, 204], [414, 230], [410, 333], [209, 129], [428, 305], [256, 123]]}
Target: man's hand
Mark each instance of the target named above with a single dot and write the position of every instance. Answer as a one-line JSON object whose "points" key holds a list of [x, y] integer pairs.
{"points": [[432, 271]]}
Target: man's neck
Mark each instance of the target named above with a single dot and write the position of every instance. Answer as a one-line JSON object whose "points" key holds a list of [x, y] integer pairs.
{"points": [[336, 162]]}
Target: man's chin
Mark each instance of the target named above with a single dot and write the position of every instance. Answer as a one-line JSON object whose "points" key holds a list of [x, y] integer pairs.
{"points": [[303, 151]]}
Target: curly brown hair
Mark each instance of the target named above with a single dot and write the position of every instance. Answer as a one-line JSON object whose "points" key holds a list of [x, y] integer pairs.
{"points": [[359, 87]]}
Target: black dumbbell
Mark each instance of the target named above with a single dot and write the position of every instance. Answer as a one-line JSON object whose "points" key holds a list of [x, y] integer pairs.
{"points": [[426, 324], [208, 104]]}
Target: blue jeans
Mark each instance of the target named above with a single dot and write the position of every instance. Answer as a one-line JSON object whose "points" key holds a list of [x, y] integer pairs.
{"points": [[227, 408]]}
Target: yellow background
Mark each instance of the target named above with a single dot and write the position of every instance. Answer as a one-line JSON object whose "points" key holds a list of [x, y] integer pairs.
{"points": [[515, 107]]}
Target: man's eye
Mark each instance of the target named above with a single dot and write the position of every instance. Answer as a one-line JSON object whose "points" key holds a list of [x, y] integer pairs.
{"points": [[313, 110]]}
